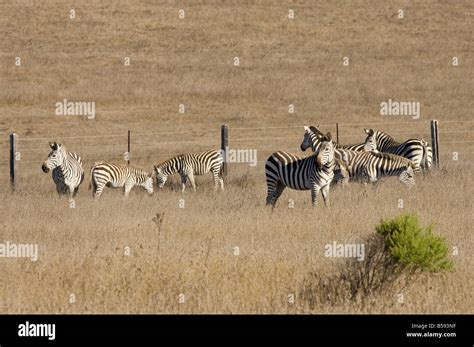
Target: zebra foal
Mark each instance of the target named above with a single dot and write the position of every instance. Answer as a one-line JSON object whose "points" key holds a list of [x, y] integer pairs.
{"points": [[116, 176]]}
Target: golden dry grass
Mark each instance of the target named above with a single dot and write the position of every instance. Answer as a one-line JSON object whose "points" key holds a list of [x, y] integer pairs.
{"points": [[190, 61]]}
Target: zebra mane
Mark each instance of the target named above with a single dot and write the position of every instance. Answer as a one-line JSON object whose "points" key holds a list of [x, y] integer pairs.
{"points": [[315, 130], [380, 134]]}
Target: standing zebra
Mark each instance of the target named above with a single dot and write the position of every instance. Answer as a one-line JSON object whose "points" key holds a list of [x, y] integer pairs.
{"points": [[417, 150], [313, 173], [373, 165], [188, 165], [116, 176], [66, 169]]}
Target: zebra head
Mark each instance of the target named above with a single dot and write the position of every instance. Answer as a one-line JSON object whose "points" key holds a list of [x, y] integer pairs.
{"points": [[148, 184], [325, 153], [371, 140], [407, 177], [55, 158], [161, 176], [310, 138]]}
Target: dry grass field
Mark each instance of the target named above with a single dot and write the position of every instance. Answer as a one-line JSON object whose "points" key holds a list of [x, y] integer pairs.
{"points": [[225, 252]]}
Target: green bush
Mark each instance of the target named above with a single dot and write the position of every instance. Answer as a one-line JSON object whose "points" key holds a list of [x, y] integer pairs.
{"points": [[414, 246]]}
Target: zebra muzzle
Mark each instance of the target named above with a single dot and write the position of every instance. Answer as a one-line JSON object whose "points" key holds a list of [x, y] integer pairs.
{"points": [[45, 168]]}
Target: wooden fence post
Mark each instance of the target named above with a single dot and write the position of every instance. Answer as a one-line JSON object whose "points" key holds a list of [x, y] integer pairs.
{"points": [[13, 145], [435, 142], [224, 147], [337, 133], [128, 148]]}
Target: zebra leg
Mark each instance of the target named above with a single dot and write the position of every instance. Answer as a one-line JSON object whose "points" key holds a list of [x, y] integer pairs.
{"points": [[271, 188], [127, 188], [71, 190], [277, 193], [314, 195], [184, 178], [191, 179], [221, 181], [98, 188], [217, 180], [325, 194]]}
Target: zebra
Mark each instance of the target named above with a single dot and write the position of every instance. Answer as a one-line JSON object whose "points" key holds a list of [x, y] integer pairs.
{"points": [[417, 150], [313, 173], [310, 140], [116, 176], [189, 165], [67, 172], [373, 165]]}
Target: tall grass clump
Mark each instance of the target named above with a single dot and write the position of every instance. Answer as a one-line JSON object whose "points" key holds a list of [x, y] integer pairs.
{"points": [[400, 249]]}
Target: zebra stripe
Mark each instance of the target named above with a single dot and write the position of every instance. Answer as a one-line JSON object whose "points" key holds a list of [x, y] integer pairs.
{"points": [[116, 176], [417, 150], [189, 165], [67, 172], [373, 165], [313, 173]]}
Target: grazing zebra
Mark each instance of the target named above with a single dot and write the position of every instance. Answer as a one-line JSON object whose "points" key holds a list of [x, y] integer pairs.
{"points": [[313, 173], [116, 176], [373, 165], [66, 169], [310, 140], [189, 165], [417, 150]]}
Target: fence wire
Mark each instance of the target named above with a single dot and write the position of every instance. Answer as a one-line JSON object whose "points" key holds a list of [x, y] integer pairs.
{"points": [[154, 147]]}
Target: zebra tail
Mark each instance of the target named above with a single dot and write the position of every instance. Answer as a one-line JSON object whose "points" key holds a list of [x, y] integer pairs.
{"points": [[424, 158], [90, 177]]}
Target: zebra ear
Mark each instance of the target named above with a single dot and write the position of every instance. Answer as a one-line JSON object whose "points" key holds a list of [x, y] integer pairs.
{"points": [[369, 132], [306, 129], [51, 145], [328, 136]]}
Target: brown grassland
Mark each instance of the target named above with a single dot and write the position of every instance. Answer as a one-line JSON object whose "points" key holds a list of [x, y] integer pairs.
{"points": [[190, 61]]}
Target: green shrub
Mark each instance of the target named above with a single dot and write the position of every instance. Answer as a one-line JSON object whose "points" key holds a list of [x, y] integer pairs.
{"points": [[414, 246]]}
